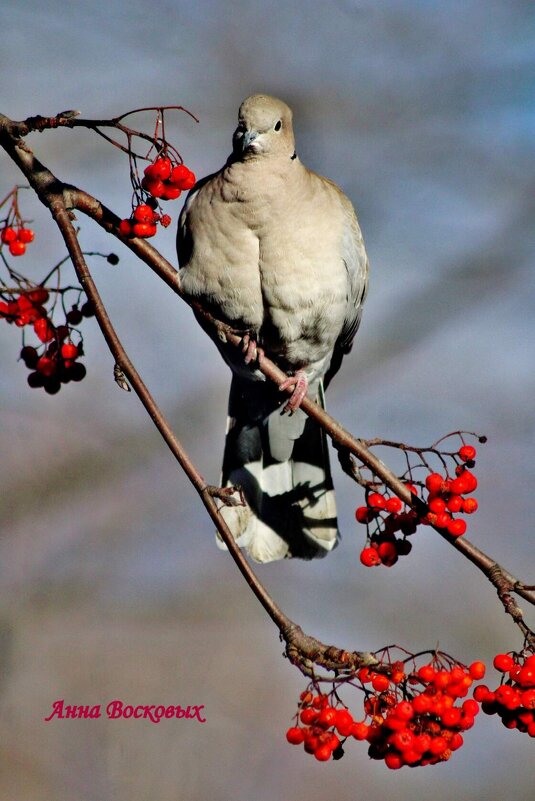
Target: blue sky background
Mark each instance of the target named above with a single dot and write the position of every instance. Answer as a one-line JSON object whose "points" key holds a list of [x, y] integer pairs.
{"points": [[424, 113]]}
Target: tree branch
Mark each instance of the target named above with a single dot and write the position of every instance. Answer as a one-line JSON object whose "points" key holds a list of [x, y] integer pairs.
{"points": [[302, 650]]}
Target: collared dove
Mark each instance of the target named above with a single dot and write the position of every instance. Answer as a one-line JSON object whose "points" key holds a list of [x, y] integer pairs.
{"points": [[276, 251]]}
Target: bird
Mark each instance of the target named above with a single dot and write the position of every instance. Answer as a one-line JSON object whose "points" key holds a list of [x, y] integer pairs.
{"points": [[275, 250]]}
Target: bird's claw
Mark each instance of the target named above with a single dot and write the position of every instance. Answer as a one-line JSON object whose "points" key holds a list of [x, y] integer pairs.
{"points": [[251, 350], [225, 494], [299, 382]]}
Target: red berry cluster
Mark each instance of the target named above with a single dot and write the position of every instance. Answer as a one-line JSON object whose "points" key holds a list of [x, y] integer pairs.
{"points": [[27, 308], [402, 726], [321, 725], [16, 238], [420, 728], [384, 547], [143, 222], [55, 362], [514, 700], [55, 367], [445, 496], [164, 179]]}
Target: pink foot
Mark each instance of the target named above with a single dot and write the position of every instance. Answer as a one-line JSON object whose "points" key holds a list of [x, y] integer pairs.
{"points": [[299, 382], [252, 352]]}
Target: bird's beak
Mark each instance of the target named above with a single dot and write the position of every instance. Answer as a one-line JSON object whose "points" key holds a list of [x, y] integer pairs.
{"points": [[248, 138]]}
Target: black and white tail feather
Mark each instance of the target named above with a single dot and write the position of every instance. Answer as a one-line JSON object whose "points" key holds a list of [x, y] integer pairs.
{"points": [[282, 464]]}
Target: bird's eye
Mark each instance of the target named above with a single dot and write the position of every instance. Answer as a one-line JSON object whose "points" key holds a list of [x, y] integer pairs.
{"points": [[278, 125]]}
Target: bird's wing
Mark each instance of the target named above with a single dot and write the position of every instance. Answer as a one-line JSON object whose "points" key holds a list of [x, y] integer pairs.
{"points": [[353, 255]]}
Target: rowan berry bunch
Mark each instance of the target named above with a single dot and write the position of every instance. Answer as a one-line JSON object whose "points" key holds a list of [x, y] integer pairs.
{"points": [[165, 178], [413, 719], [445, 494], [54, 359], [14, 231], [514, 699]]}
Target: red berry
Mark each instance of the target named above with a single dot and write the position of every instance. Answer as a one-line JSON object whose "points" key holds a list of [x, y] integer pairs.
{"points": [[437, 505], [69, 351], [38, 295], [171, 192], [323, 753], [393, 505], [125, 228], [183, 177], [470, 708], [376, 501], [154, 186], [506, 695], [380, 683], [451, 717], [456, 741], [443, 520], [295, 735], [388, 553], [44, 329], [165, 220], [434, 482], [441, 678], [404, 710], [25, 235], [344, 721], [8, 234], [481, 693], [454, 503], [438, 745], [469, 506], [398, 674], [526, 676], [360, 730], [46, 366], [458, 486], [503, 662], [467, 453], [143, 213], [456, 527], [393, 761], [528, 699], [308, 716], [469, 480], [477, 670], [17, 248], [327, 717], [161, 169], [144, 230], [363, 514], [370, 557], [426, 673], [403, 740], [320, 701]]}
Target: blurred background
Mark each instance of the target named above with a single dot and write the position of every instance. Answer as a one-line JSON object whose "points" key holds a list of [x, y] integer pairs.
{"points": [[112, 586]]}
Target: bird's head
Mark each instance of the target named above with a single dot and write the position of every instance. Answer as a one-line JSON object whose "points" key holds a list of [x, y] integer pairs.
{"points": [[264, 129]]}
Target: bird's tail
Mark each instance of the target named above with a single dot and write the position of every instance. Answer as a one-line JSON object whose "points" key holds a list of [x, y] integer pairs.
{"points": [[281, 464]]}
